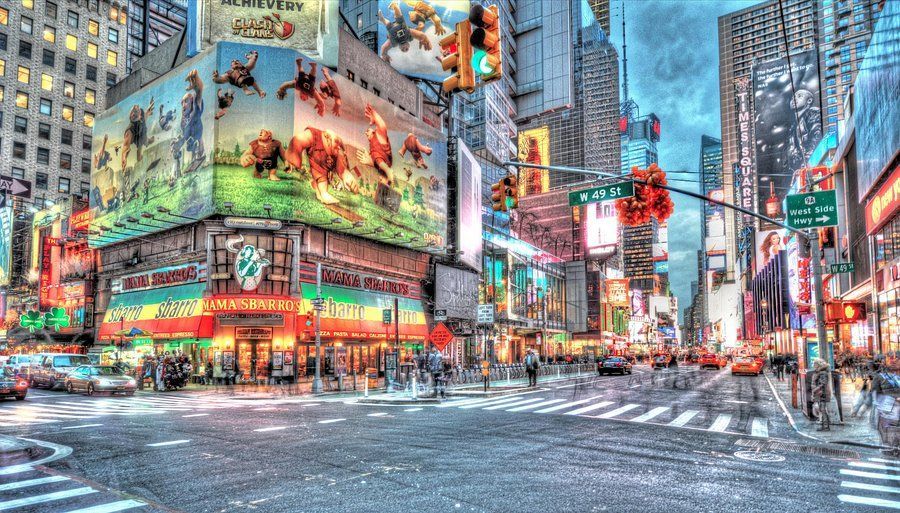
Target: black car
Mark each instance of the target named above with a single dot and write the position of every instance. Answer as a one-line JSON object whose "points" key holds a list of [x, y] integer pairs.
{"points": [[12, 385], [614, 364]]}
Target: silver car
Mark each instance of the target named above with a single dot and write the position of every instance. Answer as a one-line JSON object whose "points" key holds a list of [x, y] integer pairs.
{"points": [[99, 378]]}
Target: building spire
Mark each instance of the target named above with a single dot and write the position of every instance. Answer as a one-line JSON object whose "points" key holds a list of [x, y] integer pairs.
{"points": [[624, 59]]}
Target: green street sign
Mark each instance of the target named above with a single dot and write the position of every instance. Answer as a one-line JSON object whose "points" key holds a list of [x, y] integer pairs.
{"points": [[609, 192], [386, 316], [844, 267], [812, 210]]}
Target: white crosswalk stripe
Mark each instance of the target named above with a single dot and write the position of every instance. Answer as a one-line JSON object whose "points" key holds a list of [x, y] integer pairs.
{"points": [[517, 403], [684, 418], [566, 405], [40, 491], [536, 405], [655, 412], [721, 423], [874, 484], [618, 411], [589, 408], [759, 427]]}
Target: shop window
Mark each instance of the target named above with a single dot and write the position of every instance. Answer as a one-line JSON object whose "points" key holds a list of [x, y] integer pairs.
{"points": [[279, 251]]}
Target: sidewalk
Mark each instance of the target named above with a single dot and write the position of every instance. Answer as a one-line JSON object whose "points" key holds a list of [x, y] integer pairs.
{"points": [[853, 430]]}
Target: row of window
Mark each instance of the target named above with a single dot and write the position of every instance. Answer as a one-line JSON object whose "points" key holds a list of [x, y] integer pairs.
{"points": [[42, 182], [46, 108], [20, 151], [24, 76], [51, 11], [48, 58], [45, 132]]}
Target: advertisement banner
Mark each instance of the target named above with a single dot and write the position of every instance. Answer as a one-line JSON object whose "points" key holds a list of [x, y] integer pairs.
{"points": [[410, 31], [768, 245], [468, 226], [163, 277], [169, 313], [744, 175], [601, 228], [6, 232], [787, 124], [456, 292], [884, 204], [617, 292], [534, 148]]}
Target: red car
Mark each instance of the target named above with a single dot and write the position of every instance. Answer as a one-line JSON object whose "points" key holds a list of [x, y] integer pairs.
{"points": [[12, 385], [710, 360], [745, 365]]}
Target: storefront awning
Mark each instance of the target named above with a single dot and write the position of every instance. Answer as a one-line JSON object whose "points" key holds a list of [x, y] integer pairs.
{"points": [[158, 314]]}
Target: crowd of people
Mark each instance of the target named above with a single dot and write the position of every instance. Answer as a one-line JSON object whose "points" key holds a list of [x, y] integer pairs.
{"points": [[168, 371]]}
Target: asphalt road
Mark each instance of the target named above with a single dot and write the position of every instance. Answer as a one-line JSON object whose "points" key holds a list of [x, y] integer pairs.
{"points": [[704, 442]]}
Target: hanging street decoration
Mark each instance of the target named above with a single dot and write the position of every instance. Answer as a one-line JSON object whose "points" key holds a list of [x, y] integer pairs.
{"points": [[649, 199], [32, 320], [55, 318]]}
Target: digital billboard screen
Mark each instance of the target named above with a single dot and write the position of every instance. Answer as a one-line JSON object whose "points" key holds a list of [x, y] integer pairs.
{"points": [[468, 226], [534, 148], [768, 244], [601, 228], [6, 232]]}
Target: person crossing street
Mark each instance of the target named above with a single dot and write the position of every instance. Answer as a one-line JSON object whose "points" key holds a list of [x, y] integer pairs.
{"points": [[532, 363]]}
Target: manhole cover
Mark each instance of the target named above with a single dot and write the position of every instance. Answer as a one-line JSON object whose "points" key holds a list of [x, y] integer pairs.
{"points": [[768, 457]]}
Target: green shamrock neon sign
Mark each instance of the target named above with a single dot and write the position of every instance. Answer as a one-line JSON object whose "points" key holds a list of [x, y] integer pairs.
{"points": [[57, 318], [32, 320]]}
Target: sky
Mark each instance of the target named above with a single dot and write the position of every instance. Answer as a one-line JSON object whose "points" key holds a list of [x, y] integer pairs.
{"points": [[673, 71]]}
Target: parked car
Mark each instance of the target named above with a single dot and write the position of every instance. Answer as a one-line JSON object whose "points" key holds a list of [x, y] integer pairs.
{"points": [[11, 385], [50, 369], [745, 365], [710, 360], [92, 379], [19, 363], [615, 364]]}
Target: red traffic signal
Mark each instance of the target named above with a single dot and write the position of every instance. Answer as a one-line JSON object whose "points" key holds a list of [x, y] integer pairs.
{"points": [[457, 52], [498, 196], [845, 312]]}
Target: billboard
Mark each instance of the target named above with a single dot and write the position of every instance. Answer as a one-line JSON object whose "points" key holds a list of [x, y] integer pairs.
{"points": [[534, 148], [456, 291], [410, 31], [601, 228], [787, 124], [768, 244], [321, 150], [617, 292], [153, 150], [6, 232], [468, 225], [308, 26], [743, 168]]}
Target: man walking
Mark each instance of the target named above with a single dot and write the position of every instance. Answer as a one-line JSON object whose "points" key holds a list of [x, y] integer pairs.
{"points": [[532, 363], [820, 392], [435, 367], [778, 366]]}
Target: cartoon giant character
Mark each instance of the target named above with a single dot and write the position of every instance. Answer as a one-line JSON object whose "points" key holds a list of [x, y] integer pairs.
{"points": [[415, 148], [239, 75], [136, 132], [305, 85], [191, 137], [327, 156], [264, 152], [399, 34]]}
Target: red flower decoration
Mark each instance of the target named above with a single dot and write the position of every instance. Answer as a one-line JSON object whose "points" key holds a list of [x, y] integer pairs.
{"points": [[649, 199]]}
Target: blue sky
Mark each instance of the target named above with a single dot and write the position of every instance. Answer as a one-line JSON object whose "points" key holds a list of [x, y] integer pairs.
{"points": [[673, 71]]}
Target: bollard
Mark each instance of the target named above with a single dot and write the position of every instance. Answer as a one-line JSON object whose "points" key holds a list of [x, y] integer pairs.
{"points": [[507, 376], [366, 393], [415, 390], [557, 372]]}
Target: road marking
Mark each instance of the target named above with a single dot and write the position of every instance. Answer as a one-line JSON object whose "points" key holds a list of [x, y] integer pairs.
{"points": [[331, 421], [413, 409], [586, 409], [536, 405], [734, 401], [650, 414], [264, 430], [871, 475], [491, 402], [618, 411], [870, 487], [721, 423], [684, 418], [759, 427], [876, 466], [194, 415], [869, 501], [173, 442], [516, 403], [111, 507], [882, 460], [47, 497], [81, 426], [567, 405], [378, 414], [578, 384], [32, 482]]}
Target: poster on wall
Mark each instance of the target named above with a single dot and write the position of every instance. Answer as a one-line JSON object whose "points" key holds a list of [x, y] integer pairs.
{"points": [[787, 124], [534, 148], [617, 292], [289, 357], [228, 360], [340, 361], [410, 31], [6, 232], [456, 291], [468, 227], [322, 150], [768, 244], [277, 360]]}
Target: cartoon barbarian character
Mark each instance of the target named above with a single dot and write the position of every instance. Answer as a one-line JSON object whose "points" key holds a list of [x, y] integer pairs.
{"points": [[329, 89], [399, 34], [380, 154], [327, 156], [264, 152], [191, 136], [421, 12], [415, 148], [136, 132], [305, 85], [239, 75], [225, 100]]}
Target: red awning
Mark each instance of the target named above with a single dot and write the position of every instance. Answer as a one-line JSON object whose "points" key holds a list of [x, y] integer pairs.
{"points": [[160, 314]]}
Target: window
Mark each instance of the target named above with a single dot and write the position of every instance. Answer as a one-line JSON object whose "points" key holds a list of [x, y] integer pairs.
{"points": [[72, 19], [50, 10], [359, 21], [831, 81], [46, 82], [2, 67], [110, 79], [2, 41], [63, 185], [69, 90], [4, 16], [832, 101], [114, 12], [86, 186], [89, 96], [49, 34], [43, 156], [25, 49], [40, 180], [24, 75], [19, 150], [26, 25], [364, 84], [65, 137], [46, 107], [68, 113], [21, 99], [112, 58], [28, 4], [86, 142], [72, 42], [92, 50], [49, 58], [832, 110], [832, 120], [89, 119], [65, 161], [71, 65], [44, 131], [845, 79], [113, 36], [20, 125], [2, 96], [18, 172], [86, 166], [845, 68], [90, 73], [93, 28], [350, 75]]}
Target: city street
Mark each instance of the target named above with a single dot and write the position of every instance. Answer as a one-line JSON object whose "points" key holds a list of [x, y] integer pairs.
{"points": [[613, 443]]}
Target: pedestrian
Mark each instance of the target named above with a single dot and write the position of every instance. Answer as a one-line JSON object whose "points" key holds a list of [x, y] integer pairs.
{"points": [[209, 372], [821, 393], [235, 373], [864, 399], [532, 364], [435, 367], [778, 366]]}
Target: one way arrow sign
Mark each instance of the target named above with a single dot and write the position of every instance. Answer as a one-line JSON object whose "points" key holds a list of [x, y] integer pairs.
{"points": [[15, 186]]}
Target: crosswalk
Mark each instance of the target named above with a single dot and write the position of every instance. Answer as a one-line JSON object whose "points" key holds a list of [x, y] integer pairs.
{"points": [[596, 407], [873, 482], [34, 490]]}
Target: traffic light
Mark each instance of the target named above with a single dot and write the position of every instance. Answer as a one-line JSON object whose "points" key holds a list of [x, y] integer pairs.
{"points": [[498, 196], [457, 52], [485, 38], [310, 315], [845, 312], [511, 192]]}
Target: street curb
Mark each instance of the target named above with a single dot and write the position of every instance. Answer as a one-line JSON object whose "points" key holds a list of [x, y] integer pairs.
{"points": [[429, 400], [12, 448], [489, 393], [862, 444]]}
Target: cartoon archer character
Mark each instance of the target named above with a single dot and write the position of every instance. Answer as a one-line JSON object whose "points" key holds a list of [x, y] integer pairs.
{"points": [[191, 136], [136, 132], [305, 85], [239, 75], [327, 156], [422, 11], [399, 34], [380, 154], [264, 152], [225, 99], [415, 148], [329, 89]]}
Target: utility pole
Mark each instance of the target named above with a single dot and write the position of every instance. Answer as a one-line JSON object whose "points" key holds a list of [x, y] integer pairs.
{"points": [[317, 380]]}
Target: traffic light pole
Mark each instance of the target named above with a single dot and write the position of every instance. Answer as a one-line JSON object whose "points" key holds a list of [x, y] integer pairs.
{"points": [[317, 380]]}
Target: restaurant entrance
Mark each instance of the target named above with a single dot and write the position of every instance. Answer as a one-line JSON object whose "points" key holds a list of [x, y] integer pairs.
{"points": [[253, 360]]}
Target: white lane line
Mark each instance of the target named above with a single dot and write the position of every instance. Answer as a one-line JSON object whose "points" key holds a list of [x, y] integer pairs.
{"points": [[491, 402], [517, 403], [734, 401], [331, 421], [309, 404], [194, 415], [759, 427], [870, 475], [655, 412], [592, 407], [172, 442], [876, 466], [536, 405], [869, 501], [378, 414], [413, 409], [870, 487], [618, 411], [32, 482], [721, 423], [82, 426], [882, 460], [111, 507], [265, 430], [35, 413], [567, 405], [47, 497], [684, 418]]}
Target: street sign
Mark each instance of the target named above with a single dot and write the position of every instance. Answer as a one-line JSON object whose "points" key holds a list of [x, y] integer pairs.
{"points": [[486, 314], [440, 315], [15, 186], [386, 315], [320, 308], [609, 192], [843, 267], [441, 336], [317, 301], [812, 210]]}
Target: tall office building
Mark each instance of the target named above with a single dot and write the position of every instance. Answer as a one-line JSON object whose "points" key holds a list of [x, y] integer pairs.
{"points": [[711, 270], [639, 142], [600, 9], [150, 22]]}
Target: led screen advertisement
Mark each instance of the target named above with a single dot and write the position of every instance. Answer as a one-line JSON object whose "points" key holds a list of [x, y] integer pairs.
{"points": [[6, 231], [534, 148], [601, 228], [787, 123], [468, 227], [410, 31]]}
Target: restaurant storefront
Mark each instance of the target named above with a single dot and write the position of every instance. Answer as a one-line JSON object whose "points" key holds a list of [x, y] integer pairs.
{"points": [[883, 226]]}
